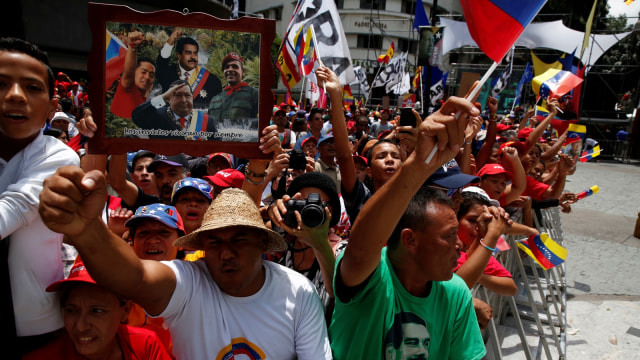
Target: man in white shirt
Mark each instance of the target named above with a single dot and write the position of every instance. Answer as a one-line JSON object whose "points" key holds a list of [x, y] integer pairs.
{"points": [[232, 302]]}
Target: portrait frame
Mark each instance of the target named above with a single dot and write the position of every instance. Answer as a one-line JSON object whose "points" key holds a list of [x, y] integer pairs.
{"points": [[238, 135]]}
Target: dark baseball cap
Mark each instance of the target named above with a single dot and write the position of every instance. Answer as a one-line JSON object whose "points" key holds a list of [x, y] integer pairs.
{"points": [[179, 160]]}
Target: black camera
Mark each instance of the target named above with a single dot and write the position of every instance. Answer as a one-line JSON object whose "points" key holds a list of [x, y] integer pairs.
{"points": [[297, 160], [311, 211]]}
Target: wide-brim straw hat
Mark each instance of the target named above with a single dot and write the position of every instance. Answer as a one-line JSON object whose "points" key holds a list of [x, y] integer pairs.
{"points": [[232, 207]]}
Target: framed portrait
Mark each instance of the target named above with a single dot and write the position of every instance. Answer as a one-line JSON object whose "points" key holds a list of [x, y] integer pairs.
{"points": [[173, 82]]}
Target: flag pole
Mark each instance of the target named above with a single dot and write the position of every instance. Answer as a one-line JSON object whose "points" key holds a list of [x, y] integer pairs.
{"points": [[371, 88], [471, 95], [421, 90]]}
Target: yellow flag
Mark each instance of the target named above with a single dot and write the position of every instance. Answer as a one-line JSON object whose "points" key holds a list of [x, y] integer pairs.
{"points": [[587, 33], [386, 57]]}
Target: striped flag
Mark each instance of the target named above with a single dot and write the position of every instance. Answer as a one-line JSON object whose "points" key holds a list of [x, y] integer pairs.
{"points": [[389, 54], [287, 66], [307, 56], [554, 83], [590, 154], [347, 97], [576, 133], [114, 58], [546, 252], [489, 20]]}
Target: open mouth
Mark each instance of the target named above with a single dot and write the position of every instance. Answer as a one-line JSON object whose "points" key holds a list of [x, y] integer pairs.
{"points": [[15, 116], [154, 252]]}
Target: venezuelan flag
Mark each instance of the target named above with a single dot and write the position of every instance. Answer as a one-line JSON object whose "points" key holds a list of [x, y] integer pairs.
{"points": [[546, 252], [115, 52], [576, 133], [347, 97], [309, 55], [590, 154], [554, 82], [495, 25]]}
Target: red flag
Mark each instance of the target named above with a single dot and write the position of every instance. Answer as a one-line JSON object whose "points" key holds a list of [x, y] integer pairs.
{"points": [[495, 25]]}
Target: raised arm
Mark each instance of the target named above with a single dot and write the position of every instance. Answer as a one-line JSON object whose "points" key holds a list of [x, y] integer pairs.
{"points": [[554, 191], [71, 203], [490, 139], [117, 175], [135, 38], [511, 162], [255, 177], [552, 106], [344, 158], [373, 227]]}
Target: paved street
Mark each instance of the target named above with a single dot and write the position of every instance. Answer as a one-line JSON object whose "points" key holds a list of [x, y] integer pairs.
{"points": [[603, 309]]}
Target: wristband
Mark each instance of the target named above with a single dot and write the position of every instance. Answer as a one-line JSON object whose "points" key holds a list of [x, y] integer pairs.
{"points": [[254, 182], [487, 247], [468, 143], [252, 174]]}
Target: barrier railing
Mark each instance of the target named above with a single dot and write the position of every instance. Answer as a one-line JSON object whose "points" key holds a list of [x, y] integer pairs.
{"points": [[541, 299]]}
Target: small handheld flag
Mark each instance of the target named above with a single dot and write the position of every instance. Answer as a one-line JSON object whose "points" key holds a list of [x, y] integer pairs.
{"points": [[590, 154], [554, 83], [590, 191], [546, 252], [575, 133]]}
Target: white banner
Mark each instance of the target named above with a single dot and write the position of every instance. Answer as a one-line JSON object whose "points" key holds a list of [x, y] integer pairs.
{"points": [[332, 42], [391, 75], [361, 79]]}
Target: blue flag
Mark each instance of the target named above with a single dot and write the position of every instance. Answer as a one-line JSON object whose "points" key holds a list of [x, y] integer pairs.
{"points": [[421, 18], [527, 76]]}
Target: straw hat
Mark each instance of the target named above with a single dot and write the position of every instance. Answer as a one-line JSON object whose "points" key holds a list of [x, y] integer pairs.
{"points": [[233, 207]]}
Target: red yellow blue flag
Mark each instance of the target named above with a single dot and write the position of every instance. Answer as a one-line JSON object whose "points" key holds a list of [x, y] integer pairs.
{"points": [[308, 56], [554, 83], [114, 58], [590, 154], [546, 252], [490, 20], [576, 133]]}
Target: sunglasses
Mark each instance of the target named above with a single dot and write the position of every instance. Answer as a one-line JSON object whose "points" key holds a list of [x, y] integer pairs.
{"points": [[449, 192]]}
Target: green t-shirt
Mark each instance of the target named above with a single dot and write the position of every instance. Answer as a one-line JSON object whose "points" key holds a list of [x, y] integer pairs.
{"points": [[384, 321]]}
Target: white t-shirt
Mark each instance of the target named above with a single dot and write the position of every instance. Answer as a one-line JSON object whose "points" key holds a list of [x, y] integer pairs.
{"points": [[35, 256], [283, 320]]}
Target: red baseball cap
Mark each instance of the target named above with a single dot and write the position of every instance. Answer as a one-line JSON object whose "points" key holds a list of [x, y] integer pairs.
{"points": [[78, 274], [360, 158], [493, 169], [502, 127], [310, 138], [524, 133], [514, 144], [222, 155], [227, 178]]}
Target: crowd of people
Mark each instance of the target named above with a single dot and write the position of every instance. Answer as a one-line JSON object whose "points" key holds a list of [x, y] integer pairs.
{"points": [[347, 243]]}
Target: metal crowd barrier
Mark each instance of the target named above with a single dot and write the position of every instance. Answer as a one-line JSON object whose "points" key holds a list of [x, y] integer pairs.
{"points": [[538, 311]]}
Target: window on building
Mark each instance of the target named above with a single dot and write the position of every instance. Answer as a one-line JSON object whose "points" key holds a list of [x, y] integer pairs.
{"points": [[278, 13], [369, 41], [373, 4], [405, 45], [339, 4], [409, 6]]}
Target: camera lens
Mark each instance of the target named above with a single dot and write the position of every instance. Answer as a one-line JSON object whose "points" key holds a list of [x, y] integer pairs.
{"points": [[312, 215]]}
